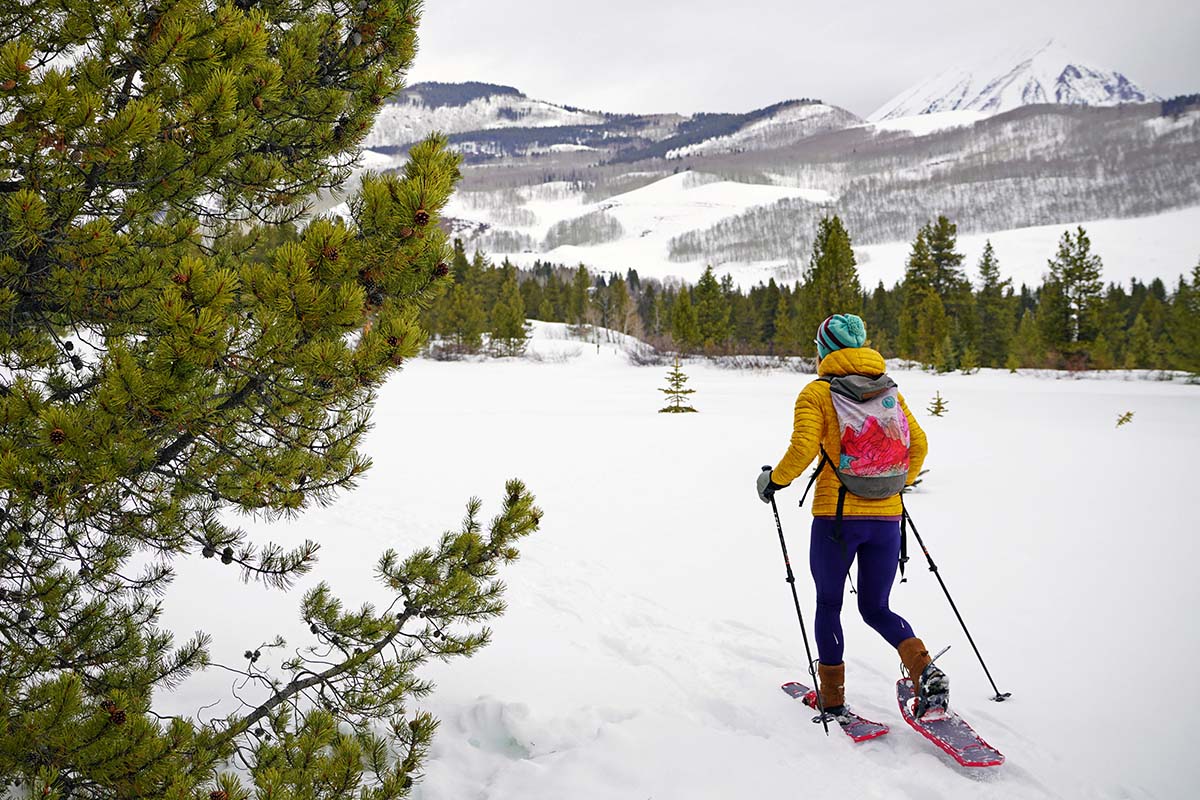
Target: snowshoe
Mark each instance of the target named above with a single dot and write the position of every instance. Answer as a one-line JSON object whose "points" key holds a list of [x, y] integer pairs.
{"points": [[933, 698]]}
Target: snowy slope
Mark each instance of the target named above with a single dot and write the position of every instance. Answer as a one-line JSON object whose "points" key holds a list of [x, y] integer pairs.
{"points": [[649, 625], [786, 126], [1162, 246], [926, 124], [649, 218], [410, 118], [1049, 74]]}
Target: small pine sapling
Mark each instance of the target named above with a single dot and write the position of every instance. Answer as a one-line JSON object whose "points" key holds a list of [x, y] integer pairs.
{"points": [[1124, 419], [938, 406], [675, 392]]}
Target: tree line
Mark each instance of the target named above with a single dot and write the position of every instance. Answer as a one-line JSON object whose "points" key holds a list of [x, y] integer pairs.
{"points": [[938, 315]]}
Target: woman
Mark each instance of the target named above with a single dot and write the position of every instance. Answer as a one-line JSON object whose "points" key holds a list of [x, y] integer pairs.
{"points": [[847, 525]]}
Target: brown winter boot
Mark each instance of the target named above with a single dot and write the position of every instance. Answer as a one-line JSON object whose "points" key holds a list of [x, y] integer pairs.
{"points": [[833, 685], [915, 658], [934, 694]]}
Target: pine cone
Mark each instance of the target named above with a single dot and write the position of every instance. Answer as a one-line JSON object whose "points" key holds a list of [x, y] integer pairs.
{"points": [[179, 278], [227, 555], [116, 715], [57, 436], [441, 270], [219, 794], [421, 217]]}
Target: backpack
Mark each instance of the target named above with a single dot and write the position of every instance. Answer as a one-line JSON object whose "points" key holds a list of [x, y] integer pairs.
{"points": [[874, 435], [874, 440]]}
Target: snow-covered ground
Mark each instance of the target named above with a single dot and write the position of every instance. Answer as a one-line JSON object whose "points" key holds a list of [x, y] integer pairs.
{"points": [[649, 625]]}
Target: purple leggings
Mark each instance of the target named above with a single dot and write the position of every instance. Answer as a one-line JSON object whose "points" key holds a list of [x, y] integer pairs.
{"points": [[876, 543]]}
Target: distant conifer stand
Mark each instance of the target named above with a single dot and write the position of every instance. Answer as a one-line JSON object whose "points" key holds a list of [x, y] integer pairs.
{"points": [[676, 394]]}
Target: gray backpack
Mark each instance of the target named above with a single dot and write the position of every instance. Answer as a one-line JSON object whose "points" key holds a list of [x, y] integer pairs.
{"points": [[874, 436]]}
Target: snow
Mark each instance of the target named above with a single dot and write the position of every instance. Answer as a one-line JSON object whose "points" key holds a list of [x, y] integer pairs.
{"points": [[925, 124], [1048, 74], [649, 626], [650, 216], [1163, 246], [789, 124], [403, 122]]}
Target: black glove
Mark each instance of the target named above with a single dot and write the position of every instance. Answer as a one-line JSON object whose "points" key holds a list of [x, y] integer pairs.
{"points": [[766, 486]]}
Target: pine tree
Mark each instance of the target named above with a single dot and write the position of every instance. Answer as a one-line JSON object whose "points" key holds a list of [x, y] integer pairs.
{"points": [[175, 356], [509, 331], [995, 310], [1074, 288], [831, 279], [580, 297], [938, 405], [1141, 351], [789, 336], [685, 328], [918, 286], [459, 264], [1184, 331], [465, 320], [677, 395], [947, 277], [1027, 349], [712, 311]]}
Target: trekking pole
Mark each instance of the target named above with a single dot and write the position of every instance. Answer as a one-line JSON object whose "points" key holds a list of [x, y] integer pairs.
{"points": [[791, 579], [1000, 697]]}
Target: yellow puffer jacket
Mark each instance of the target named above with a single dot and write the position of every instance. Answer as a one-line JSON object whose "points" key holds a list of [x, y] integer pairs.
{"points": [[816, 424]]}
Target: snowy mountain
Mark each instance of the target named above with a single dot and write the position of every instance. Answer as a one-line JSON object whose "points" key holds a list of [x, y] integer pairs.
{"points": [[671, 193], [456, 108], [783, 125], [1049, 74]]}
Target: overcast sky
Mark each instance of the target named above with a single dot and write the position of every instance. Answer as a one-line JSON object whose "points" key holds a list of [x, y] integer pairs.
{"points": [[736, 55]]}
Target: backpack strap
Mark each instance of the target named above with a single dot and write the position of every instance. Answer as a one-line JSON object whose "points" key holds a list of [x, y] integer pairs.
{"points": [[841, 501], [820, 466]]}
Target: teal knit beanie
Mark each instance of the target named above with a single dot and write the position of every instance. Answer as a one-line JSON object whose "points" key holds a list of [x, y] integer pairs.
{"points": [[840, 330]]}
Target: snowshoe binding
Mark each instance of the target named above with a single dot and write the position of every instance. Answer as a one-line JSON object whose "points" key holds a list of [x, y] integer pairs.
{"points": [[933, 696]]}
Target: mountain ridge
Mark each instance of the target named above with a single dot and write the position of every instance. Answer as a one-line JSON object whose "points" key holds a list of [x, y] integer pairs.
{"points": [[1048, 74]]}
